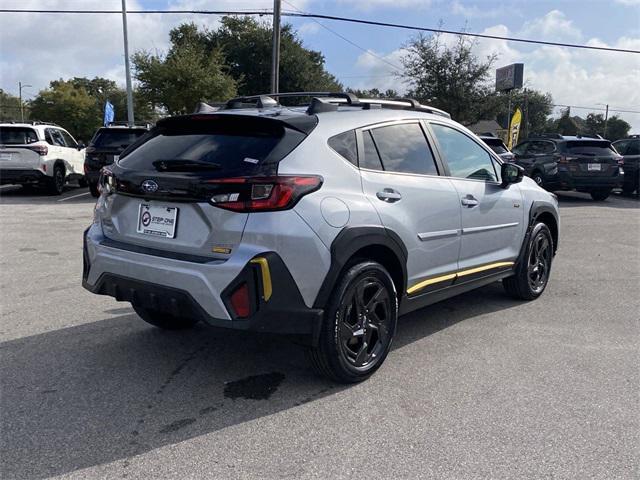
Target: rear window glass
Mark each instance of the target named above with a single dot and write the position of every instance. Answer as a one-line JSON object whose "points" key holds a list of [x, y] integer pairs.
{"points": [[112, 138], [591, 148], [403, 148], [229, 146], [496, 145], [345, 145], [17, 135]]}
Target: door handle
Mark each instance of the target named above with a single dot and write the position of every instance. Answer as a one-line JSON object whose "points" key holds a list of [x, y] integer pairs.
{"points": [[389, 195], [469, 201]]}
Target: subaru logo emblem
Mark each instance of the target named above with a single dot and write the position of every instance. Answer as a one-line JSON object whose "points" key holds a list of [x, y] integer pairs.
{"points": [[149, 186]]}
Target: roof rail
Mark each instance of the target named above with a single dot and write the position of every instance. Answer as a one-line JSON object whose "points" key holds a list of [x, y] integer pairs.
{"points": [[320, 100], [589, 135], [124, 123], [547, 135]]}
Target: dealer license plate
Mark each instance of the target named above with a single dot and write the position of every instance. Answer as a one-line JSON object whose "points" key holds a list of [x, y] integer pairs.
{"points": [[157, 220], [594, 167]]}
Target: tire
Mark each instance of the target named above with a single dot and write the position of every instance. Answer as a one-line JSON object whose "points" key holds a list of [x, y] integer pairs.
{"points": [[532, 272], [93, 188], [82, 182], [344, 352], [537, 177], [55, 184], [600, 195], [164, 320]]}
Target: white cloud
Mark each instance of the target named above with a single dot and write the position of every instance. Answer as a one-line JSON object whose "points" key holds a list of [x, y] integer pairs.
{"points": [[473, 11], [373, 4], [629, 3], [309, 28], [378, 71], [553, 26]]}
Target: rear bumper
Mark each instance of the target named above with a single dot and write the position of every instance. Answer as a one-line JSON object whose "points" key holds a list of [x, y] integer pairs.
{"points": [[17, 176], [566, 181], [199, 290]]}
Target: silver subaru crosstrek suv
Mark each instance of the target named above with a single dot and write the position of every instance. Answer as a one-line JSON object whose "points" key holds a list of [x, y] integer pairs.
{"points": [[324, 221]]}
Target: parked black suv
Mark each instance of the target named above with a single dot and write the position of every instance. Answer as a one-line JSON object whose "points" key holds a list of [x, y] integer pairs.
{"points": [[581, 163], [629, 148], [106, 146]]}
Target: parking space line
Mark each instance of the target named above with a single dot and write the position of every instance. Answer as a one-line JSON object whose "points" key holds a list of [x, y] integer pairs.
{"points": [[74, 196]]}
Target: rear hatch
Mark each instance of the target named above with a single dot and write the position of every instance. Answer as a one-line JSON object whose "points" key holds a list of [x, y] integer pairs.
{"points": [[20, 148], [108, 143], [590, 158], [166, 184]]}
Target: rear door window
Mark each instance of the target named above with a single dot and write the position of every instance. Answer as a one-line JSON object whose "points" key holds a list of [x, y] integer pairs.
{"points": [[590, 148], [17, 136], [371, 158], [403, 148], [633, 148], [54, 138], [68, 139], [540, 148]]}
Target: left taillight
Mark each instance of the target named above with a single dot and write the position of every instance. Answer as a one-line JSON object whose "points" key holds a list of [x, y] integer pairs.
{"points": [[41, 150], [262, 194]]}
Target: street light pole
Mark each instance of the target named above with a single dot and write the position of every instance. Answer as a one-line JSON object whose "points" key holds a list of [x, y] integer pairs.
{"points": [[20, 87], [606, 118], [275, 54], [126, 64]]}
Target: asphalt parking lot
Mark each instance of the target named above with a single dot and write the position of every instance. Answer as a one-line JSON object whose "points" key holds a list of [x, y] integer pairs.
{"points": [[479, 386]]}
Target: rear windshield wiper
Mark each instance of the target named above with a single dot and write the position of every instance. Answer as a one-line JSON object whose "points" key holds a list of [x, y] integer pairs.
{"points": [[180, 165]]}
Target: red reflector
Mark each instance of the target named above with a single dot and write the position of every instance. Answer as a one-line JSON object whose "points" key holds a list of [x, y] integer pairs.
{"points": [[240, 301]]}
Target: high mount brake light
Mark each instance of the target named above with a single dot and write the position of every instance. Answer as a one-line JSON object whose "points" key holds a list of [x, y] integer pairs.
{"points": [[262, 194]]}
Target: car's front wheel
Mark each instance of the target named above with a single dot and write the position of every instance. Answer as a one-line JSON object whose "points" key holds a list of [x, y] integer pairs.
{"points": [[533, 270], [164, 320], [600, 195], [56, 182], [359, 325]]}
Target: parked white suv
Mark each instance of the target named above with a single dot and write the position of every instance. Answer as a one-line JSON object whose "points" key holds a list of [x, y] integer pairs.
{"points": [[325, 222], [39, 153]]}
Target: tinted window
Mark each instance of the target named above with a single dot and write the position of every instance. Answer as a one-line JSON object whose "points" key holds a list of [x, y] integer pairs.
{"points": [[17, 135], [403, 148], [54, 138], [345, 145], [540, 148], [520, 149], [112, 138], [230, 146], [633, 148], [621, 146], [371, 159], [590, 148], [68, 139], [496, 145], [466, 159]]}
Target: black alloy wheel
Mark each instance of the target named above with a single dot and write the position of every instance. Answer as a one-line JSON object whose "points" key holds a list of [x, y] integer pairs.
{"points": [[539, 263], [359, 324]]}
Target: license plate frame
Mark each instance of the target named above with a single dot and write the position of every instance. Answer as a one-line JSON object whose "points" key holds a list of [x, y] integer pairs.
{"points": [[6, 157], [594, 167], [158, 221]]}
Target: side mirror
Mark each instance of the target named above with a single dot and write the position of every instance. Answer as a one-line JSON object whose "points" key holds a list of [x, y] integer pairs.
{"points": [[511, 173]]}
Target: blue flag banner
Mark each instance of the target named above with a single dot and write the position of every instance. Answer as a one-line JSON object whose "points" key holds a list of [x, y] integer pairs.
{"points": [[109, 113]]}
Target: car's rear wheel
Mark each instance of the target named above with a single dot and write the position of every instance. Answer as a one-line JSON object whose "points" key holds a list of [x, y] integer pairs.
{"points": [[82, 182], [164, 320], [360, 322], [533, 270], [601, 194], [55, 184]]}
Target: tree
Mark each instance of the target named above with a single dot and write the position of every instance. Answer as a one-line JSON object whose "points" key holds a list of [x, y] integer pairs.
{"points": [[451, 78], [10, 107], [375, 93], [246, 44], [67, 105], [188, 73], [534, 105], [616, 128]]}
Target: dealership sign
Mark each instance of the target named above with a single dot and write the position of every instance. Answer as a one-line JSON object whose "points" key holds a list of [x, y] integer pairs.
{"points": [[509, 77]]}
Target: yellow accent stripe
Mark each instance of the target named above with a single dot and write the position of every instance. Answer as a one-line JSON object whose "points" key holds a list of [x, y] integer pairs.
{"points": [[452, 276], [266, 277]]}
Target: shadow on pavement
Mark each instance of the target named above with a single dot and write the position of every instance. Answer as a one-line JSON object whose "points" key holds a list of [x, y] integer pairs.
{"points": [[108, 390], [616, 200], [17, 195]]}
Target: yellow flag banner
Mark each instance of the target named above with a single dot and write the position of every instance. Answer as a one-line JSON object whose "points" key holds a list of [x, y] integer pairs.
{"points": [[514, 128]]}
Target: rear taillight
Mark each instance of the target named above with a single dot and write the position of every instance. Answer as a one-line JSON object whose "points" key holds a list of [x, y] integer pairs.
{"points": [[262, 194], [620, 161], [41, 150], [565, 159], [240, 301]]}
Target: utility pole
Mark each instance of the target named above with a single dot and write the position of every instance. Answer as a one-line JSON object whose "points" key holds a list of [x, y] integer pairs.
{"points": [[126, 64], [275, 55], [606, 117], [20, 87]]}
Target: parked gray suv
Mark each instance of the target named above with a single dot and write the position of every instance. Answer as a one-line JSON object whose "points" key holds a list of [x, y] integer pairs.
{"points": [[325, 221]]}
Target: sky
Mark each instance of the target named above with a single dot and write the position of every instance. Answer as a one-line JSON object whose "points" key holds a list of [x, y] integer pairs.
{"points": [[35, 48]]}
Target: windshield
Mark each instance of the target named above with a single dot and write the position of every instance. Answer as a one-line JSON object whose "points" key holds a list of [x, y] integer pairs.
{"points": [[112, 138], [17, 135], [591, 148]]}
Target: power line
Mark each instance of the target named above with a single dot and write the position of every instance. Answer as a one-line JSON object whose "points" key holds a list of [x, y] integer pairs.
{"points": [[329, 17], [595, 108]]}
